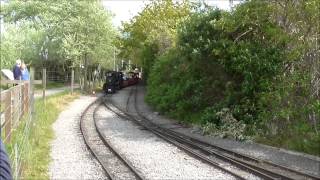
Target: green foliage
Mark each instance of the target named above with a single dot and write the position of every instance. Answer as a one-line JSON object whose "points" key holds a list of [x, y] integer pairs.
{"points": [[65, 33], [294, 119], [70, 30], [248, 62], [22, 42], [227, 126], [241, 67], [152, 32]]}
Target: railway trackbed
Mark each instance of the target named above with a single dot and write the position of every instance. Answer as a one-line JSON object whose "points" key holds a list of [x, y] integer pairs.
{"points": [[114, 164], [216, 156]]}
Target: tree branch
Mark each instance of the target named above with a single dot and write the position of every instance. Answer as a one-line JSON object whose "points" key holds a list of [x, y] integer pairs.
{"points": [[250, 29]]}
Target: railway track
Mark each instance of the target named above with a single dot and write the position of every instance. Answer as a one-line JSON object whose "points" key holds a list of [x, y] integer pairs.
{"points": [[210, 153], [114, 164]]}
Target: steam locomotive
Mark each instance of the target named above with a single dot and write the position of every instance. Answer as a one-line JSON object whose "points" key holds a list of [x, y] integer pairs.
{"points": [[118, 80]]}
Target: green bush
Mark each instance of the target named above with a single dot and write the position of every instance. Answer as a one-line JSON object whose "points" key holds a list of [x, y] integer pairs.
{"points": [[238, 61], [213, 66]]}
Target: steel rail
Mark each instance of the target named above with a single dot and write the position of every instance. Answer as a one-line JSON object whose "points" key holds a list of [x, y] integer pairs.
{"points": [[86, 141], [244, 166], [174, 142], [137, 174], [96, 156], [240, 158], [249, 161], [185, 148]]}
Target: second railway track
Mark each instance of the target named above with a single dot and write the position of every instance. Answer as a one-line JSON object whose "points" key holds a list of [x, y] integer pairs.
{"points": [[205, 152]]}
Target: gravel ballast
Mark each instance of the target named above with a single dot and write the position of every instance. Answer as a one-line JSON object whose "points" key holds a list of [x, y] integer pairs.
{"points": [[152, 156], [295, 160], [70, 156], [107, 158]]}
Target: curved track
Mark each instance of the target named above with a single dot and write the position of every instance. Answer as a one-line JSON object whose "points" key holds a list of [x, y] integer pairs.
{"points": [[204, 151], [185, 148], [114, 165]]}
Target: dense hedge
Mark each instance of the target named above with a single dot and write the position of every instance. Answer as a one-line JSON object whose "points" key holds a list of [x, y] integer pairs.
{"points": [[227, 71], [220, 61]]}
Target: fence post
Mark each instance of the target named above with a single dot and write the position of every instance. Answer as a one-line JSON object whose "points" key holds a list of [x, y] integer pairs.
{"points": [[26, 97], [90, 80], [8, 117], [31, 93], [44, 82], [21, 108], [14, 105], [72, 80], [21, 100]]}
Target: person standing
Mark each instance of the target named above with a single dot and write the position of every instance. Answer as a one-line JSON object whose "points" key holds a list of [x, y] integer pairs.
{"points": [[17, 70], [24, 72]]}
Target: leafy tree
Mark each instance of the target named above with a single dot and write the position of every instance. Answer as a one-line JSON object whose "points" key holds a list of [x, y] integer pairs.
{"points": [[22, 42], [74, 32], [152, 32]]}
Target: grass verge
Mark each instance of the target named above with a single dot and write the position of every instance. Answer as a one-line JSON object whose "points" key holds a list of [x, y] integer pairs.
{"points": [[35, 157], [50, 85]]}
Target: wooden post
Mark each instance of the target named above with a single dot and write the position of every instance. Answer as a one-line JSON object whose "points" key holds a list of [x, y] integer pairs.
{"points": [[100, 78], [85, 82], [94, 79], [21, 105], [14, 105], [80, 76], [23, 96], [44, 82], [31, 92], [72, 80], [91, 79], [87, 89], [26, 97], [7, 117]]}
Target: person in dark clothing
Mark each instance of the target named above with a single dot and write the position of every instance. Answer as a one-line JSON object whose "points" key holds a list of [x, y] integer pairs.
{"points": [[17, 70], [5, 169]]}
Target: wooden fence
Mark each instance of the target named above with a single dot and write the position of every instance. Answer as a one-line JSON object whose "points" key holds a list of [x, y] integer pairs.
{"points": [[14, 103]]}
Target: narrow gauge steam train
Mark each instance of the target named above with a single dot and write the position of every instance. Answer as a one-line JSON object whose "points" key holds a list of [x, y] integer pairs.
{"points": [[117, 80]]}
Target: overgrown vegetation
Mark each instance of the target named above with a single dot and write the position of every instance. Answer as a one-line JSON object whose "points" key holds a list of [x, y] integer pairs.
{"points": [[35, 156], [249, 73]]}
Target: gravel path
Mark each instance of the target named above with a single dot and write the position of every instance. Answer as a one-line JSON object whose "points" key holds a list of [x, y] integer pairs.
{"points": [[70, 157], [53, 91], [154, 157]]}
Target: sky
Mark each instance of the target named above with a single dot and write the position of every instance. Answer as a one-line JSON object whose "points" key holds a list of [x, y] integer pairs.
{"points": [[124, 10]]}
